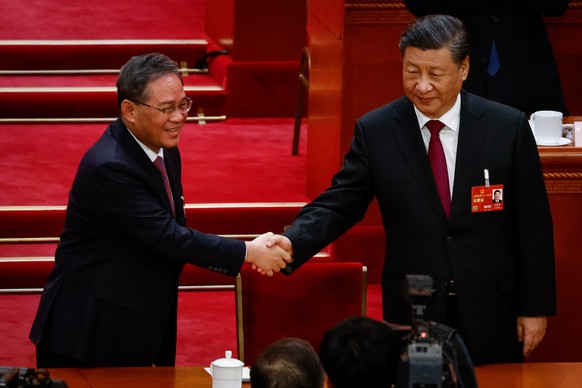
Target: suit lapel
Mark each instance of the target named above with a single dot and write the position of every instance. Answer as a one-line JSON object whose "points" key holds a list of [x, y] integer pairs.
{"points": [[173, 164], [143, 163], [472, 132], [409, 139]]}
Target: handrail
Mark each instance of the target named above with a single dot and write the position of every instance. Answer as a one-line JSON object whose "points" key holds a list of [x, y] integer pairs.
{"points": [[301, 96], [84, 71], [44, 240], [89, 120]]}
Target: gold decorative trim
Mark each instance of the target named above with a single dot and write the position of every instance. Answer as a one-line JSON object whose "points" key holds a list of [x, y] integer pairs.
{"points": [[563, 182], [377, 13], [563, 175], [397, 13], [564, 187], [374, 6], [400, 6]]}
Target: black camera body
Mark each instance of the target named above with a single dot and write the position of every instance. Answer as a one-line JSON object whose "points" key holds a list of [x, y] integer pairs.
{"points": [[435, 355], [13, 377]]}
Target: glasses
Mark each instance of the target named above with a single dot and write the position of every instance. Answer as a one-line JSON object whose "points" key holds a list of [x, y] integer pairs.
{"points": [[183, 107]]}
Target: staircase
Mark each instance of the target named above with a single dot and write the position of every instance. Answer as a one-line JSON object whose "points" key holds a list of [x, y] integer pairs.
{"points": [[54, 73], [59, 66], [60, 80]]}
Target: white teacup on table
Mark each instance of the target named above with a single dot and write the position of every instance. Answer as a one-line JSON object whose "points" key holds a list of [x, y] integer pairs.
{"points": [[547, 127], [227, 372]]}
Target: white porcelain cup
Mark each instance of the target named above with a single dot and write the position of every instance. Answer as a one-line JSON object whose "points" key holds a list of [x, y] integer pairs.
{"points": [[547, 126], [226, 372]]}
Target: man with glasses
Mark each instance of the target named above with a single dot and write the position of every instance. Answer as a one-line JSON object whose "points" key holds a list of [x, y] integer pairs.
{"points": [[111, 299]]}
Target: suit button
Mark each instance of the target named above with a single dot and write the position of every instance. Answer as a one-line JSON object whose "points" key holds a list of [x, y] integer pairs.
{"points": [[444, 286], [449, 239]]}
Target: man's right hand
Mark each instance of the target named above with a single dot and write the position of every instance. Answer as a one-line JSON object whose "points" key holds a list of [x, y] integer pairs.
{"points": [[265, 257], [282, 241]]}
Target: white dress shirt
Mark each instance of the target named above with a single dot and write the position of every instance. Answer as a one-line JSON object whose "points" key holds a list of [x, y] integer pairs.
{"points": [[449, 135]]}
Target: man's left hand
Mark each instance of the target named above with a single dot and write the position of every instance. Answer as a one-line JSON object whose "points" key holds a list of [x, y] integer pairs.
{"points": [[531, 330]]}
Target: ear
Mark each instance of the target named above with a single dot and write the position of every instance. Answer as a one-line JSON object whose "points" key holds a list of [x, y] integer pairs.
{"points": [[127, 110], [465, 68]]}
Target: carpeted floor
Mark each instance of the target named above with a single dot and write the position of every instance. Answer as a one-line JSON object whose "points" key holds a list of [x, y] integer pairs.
{"points": [[237, 160], [106, 19], [207, 326]]}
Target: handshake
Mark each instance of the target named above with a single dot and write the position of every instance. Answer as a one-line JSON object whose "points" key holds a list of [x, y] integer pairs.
{"points": [[269, 253]]}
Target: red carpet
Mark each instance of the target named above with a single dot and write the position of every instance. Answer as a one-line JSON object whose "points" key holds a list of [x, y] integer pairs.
{"points": [[207, 326], [238, 160], [107, 19]]}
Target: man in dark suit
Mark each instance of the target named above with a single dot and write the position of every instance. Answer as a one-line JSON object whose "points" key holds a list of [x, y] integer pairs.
{"points": [[111, 299], [496, 292], [523, 71]]}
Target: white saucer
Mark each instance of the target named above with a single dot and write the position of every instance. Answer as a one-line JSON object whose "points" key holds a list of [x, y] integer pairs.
{"points": [[563, 141]]}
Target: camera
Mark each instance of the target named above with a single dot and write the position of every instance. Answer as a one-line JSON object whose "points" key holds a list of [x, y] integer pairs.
{"points": [[435, 355], [13, 377]]}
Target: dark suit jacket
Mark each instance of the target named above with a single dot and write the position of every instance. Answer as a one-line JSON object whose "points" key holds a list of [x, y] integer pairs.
{"points": [[112, 296], [528, 79], [496, 279]]}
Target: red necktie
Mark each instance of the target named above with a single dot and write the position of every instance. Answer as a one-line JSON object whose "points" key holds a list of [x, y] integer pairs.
{"points": [[159, 163], [438, 163]]}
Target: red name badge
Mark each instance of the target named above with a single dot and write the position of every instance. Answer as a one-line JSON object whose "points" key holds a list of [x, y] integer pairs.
{"points": [[486, 199]]}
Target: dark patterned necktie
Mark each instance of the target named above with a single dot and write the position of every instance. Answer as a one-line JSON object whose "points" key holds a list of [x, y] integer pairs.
{"points": [[159, 163], [494, 64], [438, 163]]}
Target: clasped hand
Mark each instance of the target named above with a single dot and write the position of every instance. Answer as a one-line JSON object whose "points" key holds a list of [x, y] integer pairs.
{"points": [[267, 257]]}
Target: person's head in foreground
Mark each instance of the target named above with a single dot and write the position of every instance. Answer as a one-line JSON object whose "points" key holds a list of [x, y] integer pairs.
{"points": [[288, 363], [360, 352]]}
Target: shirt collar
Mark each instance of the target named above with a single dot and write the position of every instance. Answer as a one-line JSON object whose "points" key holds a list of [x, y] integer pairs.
{"points": [[151, 154], [450, 119]]}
